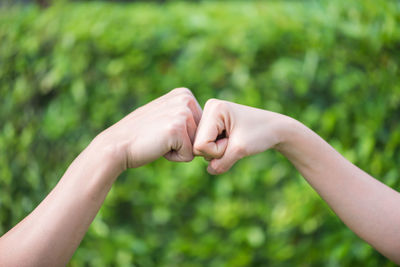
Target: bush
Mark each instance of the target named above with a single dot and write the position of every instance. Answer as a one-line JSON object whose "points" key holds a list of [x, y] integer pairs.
{"points": [[70, 71]]}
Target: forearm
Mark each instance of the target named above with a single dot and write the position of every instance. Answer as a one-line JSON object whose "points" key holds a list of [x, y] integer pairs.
{"points": [[367, 206], [51, 233]]}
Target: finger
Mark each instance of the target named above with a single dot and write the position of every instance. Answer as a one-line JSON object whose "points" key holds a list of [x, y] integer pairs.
{"points": [[189, 99], [191, 127], [231, 156], [182, 151], [196, 110], [212, 150], [206, 143]]}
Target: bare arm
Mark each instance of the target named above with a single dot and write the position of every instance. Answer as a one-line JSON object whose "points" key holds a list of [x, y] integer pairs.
{"points": [[51, 233], [367, 206]]}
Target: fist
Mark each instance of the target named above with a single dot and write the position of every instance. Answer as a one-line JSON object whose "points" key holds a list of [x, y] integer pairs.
{"points": [[228, 132], [164, 127]]}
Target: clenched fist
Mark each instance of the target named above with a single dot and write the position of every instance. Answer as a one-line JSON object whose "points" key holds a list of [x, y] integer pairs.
{"points": [[228, 132], [164, 127]]}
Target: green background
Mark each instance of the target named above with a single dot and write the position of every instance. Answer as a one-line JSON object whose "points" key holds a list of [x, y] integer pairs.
{"points": [[70, 71]]}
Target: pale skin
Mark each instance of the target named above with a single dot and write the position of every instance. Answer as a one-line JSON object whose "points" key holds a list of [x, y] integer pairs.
{"points": [[367, 206], [51, 233], [175, 127]]}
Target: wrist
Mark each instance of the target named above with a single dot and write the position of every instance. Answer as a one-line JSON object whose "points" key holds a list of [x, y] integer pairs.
{"points": [[287, 131], [109, 153]]}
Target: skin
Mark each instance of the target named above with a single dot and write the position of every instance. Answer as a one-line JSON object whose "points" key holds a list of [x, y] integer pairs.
{"points": [[367, 206], [173, 126], [50, 234]]}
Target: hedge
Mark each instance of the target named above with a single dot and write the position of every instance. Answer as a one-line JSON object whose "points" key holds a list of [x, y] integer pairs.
{"points": [[70, 71]]}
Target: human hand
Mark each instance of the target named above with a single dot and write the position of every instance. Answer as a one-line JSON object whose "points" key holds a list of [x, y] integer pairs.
{"points": [[228, 132], [164, 127]]}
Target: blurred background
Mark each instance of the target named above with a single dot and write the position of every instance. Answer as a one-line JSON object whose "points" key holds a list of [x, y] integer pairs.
{"points": [[70, 69]]}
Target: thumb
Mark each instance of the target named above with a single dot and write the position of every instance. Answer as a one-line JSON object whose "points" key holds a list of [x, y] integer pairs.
{"points": [[211, 137], [211, 149], [233, 153]]}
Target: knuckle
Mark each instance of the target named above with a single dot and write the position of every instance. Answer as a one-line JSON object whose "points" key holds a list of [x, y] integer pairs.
{"points": [[183, 114], [211, 101], [186, 100], [215, 103], [183, 96], [182, 90]]}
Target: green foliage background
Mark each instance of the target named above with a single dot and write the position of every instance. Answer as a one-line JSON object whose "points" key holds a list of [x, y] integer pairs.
{"points": [[70, 71]]}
